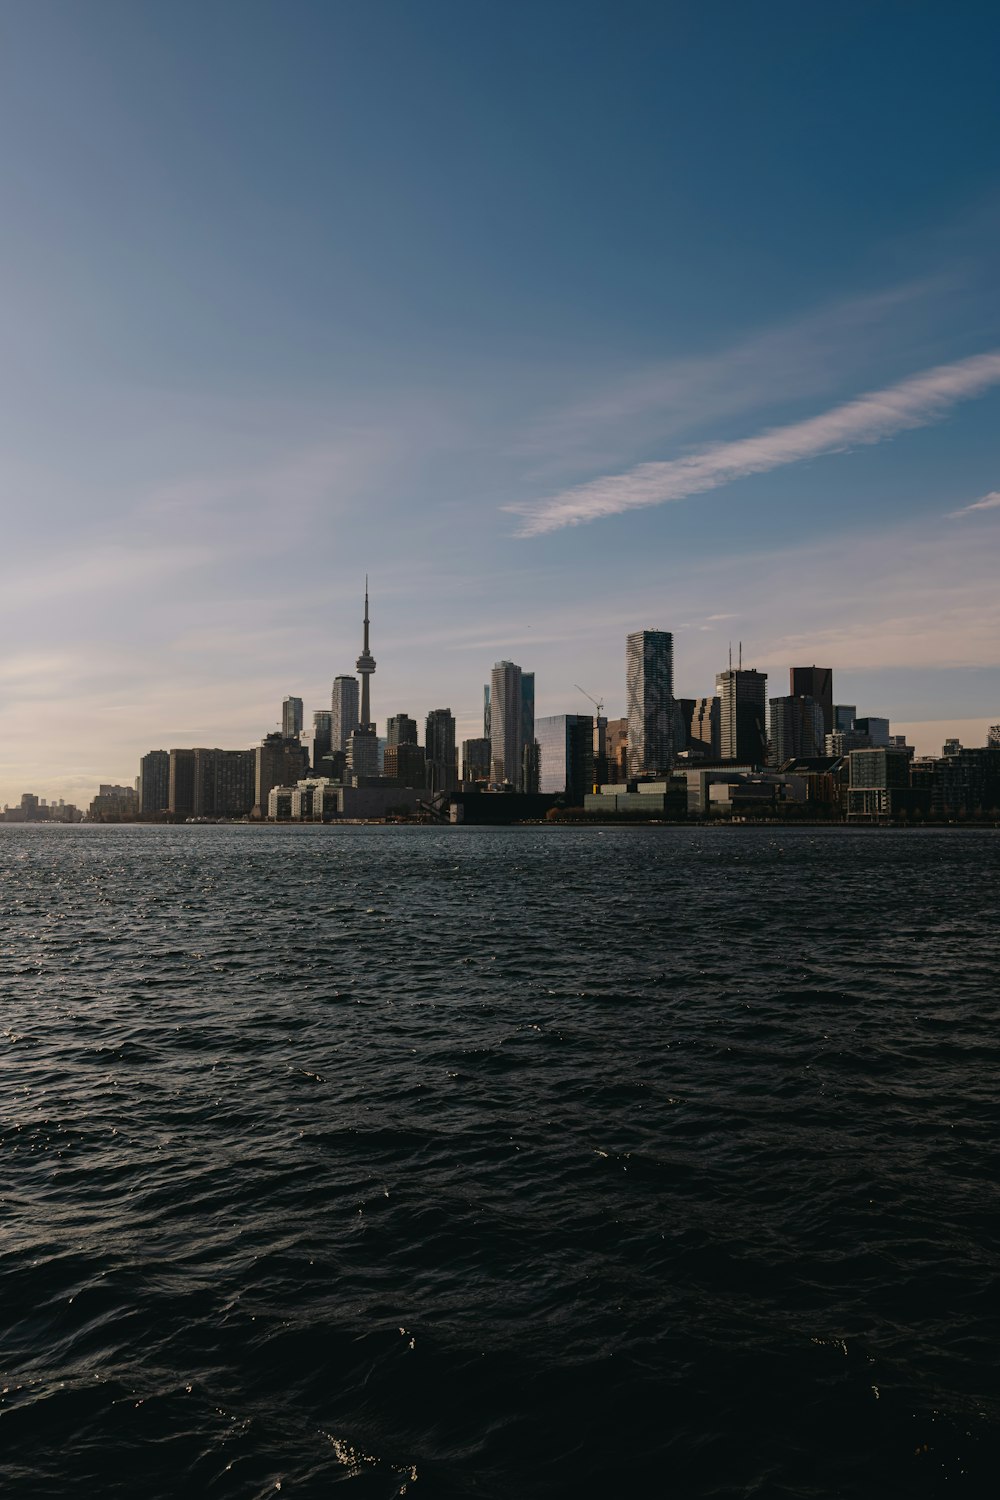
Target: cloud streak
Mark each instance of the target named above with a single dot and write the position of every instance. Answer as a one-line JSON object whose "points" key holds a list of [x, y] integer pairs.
{"points": [[871, 418], [988, 502]]}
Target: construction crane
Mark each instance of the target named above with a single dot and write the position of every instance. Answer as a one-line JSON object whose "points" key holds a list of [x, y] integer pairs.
{"points": [[598, 706]]}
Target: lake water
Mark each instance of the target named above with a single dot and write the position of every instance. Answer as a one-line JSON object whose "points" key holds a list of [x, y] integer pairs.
{"points": [[499, 1163]]}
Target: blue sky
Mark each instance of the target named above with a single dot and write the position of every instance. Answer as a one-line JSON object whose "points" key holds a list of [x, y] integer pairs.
{"points": [[295, 292]]}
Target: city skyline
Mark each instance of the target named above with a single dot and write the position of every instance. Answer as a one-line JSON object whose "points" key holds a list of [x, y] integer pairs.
{"points": [[389, 338]]}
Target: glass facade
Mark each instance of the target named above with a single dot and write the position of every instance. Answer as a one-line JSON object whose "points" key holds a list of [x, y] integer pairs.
{"points": [[649, 695]]}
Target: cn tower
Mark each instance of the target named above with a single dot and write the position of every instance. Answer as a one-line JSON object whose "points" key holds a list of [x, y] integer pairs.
{"points": [[366, 666]]}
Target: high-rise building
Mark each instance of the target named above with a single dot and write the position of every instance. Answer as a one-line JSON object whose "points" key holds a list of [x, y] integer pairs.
{"points": [[877, 730], [180, 784], [993, 737], [277, 762], [224, 782], [815, 683], [742, 726], [843, 717], [796, 728], [405, 764], [362, 754], [291, 718], [530, 762], [506, 737], [527, 708], [683, 715], [319, 740], [616, 738], [154, 783], [487, 720], [344, 711], [706, 728], [476, 760], [566, 755], [439, 743], [366, 666], [649, 690], [401, 730]]}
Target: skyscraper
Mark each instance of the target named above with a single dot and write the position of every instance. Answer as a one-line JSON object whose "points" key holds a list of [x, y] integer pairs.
{"points": [[506, 709], [649, 697], [401, 730], [291, 718], [706, 728], [439, 742], [319, 739], [796, 728], [743, 730], [366, 666], [527, 708], [180, 794], [344, 711], [815, 683]]}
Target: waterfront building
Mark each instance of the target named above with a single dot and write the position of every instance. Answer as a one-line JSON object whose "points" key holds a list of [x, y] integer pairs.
{"points": [[439, 742], [815, 683], [291, 718], [796, 728], [180, 784], [566, 755], [154, 783], [344, 711], [279, 803], [705, 730], [401, 730], [842, 742], [875, 777], [113, 804], [277, 762], [742, 729], [405, 764], [224, 783], [366, 666], [649, 692], [476, 759], [506, 738]]}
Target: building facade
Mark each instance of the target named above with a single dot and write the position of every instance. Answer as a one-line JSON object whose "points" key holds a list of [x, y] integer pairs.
{"points": [[476, 760], [742, 710], [291, 717], [649, 696], [705, 736], [566, 755], [277, 762], [154, 784], [796, 728], [401, 730], [343, 711], [439, 745], [405, 764], [815, 683], [506, 738]]}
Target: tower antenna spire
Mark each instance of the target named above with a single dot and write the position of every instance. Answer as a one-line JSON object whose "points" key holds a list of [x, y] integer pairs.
{"points": [[366, 666]]}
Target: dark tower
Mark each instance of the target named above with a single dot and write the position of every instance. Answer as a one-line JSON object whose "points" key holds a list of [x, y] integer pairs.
{"points": [[366, 666]]}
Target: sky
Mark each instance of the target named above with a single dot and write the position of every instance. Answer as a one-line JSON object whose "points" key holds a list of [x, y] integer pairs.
{"points": [[557, 320]]}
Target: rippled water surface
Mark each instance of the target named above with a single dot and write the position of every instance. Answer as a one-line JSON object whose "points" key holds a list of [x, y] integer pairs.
{"points": [[526, 1162]]}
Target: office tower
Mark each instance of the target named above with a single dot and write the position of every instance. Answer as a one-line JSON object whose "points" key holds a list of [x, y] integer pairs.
{"points": [[527, 708], [476, 760], [319, 739], [742, 726], [401, 730], [617, 743], [706, 728], [224, 783], [362, 754], [506, 707], [291, 718], [154, 783], [815, 683], [796, 728], [649, 696], [487, 721], [366, 666], [439, 742], [277, 762], [344, 711], [566, 755], [180, 784], [530, 762], [405, 764], [683, 715], [876, 729], [843, 717]]}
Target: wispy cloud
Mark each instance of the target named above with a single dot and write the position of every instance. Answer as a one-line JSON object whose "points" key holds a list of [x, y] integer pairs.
{"points": [[869, 419], [988, 502]]}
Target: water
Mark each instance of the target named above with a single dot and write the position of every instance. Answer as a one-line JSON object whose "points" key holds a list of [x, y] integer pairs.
{"points": [[474, 1163]]}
